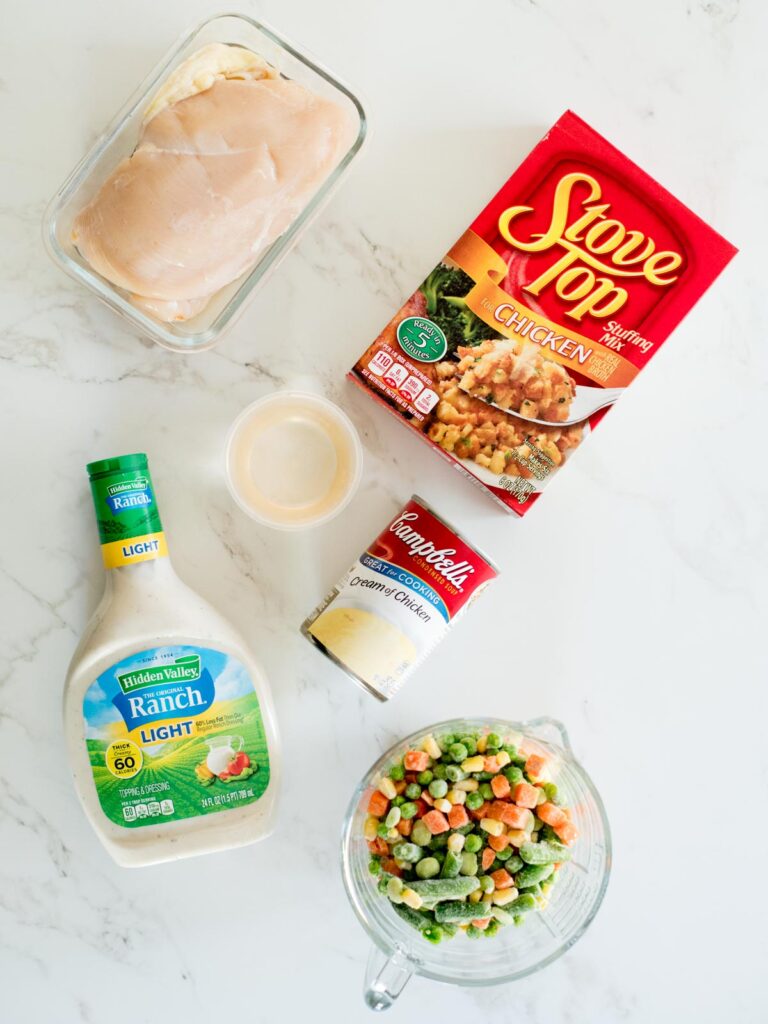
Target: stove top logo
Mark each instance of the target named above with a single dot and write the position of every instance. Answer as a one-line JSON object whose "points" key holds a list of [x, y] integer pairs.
{"points": [[598, 250]]}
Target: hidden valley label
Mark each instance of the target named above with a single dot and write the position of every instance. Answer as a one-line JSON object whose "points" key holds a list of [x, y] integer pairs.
{"points": [[174, 732]]}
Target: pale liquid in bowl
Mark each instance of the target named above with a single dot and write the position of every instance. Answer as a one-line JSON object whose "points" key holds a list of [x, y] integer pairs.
{"points": [[291, 461]]}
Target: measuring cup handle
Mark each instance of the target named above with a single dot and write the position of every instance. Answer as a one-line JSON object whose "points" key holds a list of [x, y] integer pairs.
{"points": [[386, 977], [240, 742]]}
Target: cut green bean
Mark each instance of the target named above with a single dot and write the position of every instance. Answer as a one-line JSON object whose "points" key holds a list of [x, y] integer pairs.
{"points": [[544, 853], [458, 911], [445, 888], [532, 874]]}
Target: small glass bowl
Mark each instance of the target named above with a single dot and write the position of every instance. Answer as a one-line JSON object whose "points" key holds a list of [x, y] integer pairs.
{"points": [[293, 460], [511, 953], [118, 141]]}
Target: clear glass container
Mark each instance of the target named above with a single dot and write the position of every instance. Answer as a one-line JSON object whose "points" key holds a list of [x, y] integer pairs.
{"points": [[511, 953], [118, 141]]}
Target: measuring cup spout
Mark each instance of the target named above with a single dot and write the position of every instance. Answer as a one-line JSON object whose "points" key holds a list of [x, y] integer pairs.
{"points": [[386, 977]]}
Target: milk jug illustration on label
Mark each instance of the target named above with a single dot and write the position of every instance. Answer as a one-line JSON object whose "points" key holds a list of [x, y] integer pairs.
{"points": [[168, 717]]}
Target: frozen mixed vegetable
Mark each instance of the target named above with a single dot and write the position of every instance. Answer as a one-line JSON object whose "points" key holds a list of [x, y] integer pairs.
{"points": [[467, 834]]}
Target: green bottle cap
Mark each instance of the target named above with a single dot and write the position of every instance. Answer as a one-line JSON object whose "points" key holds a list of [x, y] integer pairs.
{"points": [[120, 462]]}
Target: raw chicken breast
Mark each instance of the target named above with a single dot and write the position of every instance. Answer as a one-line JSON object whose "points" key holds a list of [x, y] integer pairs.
{"points": [[215, 179]]}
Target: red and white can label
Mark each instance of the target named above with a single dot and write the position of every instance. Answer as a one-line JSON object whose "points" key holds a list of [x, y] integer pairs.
{"points": [[399, 599]]}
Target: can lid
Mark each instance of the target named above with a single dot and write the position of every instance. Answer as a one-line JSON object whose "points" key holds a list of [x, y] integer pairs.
{"points": [[119, 463]]}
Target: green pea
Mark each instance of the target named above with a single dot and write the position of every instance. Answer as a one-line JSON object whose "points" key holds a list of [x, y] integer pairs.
{"points": [[493, 740], [474, 801], [473, 843], [513, 774], [398, 801], [510, 749], [491, 928], [551, 790], [439, 842], [439, 771], [504, 855], [424, 778], [468, 863], [382, 830], [485, 791], [445, 741], [514, 864], [408, 810], [428, 867], [374, 866], [397, 772], [420, 834], [438, 788], [394, 886], [470, 744], [458, 752], [433, 934], [383, 881], [473, 932], [412, 791]]}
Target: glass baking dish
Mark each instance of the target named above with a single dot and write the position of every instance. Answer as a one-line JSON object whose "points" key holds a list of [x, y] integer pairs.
{"points": [[119, 140]]}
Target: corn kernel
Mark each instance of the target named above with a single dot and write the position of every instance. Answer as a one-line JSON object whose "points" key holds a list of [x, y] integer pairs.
{"points": [[473, 764], [475, 897], [429, 746], [467, 785], [393, 836], [503, 896], [411, 899], [502, 758], [387, 787], [491, 825], [443, 805], [456, 842], [370, 828], [517, 836], [482, 743], [456, 796]]}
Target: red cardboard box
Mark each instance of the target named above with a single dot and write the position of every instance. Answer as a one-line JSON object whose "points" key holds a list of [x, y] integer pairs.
{"points": [[517, 344]]}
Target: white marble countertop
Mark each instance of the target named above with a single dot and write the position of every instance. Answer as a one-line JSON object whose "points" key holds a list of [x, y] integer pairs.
{"points": [[645, 566]]}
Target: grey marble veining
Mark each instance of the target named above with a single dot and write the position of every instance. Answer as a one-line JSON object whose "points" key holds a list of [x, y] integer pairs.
{"points": [[632, 603]]}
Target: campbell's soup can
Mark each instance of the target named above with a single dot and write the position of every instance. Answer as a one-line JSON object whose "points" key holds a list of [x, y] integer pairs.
{"points": [[399, 599]]}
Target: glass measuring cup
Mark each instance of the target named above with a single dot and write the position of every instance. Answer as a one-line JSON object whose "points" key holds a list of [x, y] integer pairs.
{"points": [[512, 953]]}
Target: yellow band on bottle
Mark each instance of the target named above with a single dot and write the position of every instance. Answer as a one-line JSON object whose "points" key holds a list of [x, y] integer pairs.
{"points": [[135, 549]]}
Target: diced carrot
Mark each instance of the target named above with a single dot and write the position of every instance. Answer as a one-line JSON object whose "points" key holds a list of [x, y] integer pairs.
{"points": [[378, 846], [534, 765], [421, 808], [481, 923], [457, 816], [378, 804], [502, 879], [514, 816], [427, 798], [400, 787], [525, 795], [498, 842], [436, 822], [404, 826], [416, 760], [491, 764], [496, 810], [500, 786], [390, 866], [566, 832], [551, 814], [487, 858]]}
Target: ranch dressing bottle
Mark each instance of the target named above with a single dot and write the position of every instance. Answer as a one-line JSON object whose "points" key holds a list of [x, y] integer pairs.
{"points": [[168, 718]]}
